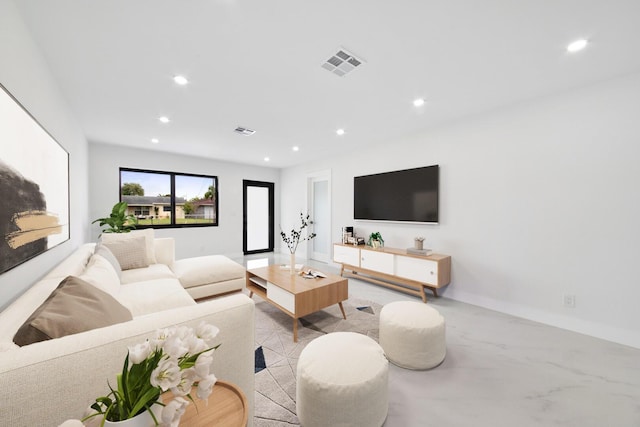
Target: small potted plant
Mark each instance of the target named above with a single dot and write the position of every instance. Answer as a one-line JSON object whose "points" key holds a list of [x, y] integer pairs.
{"points": [[375, 240]]}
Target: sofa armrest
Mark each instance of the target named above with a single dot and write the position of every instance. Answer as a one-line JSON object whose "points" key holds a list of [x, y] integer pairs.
{"points": [[165, 248], [48, 382]]}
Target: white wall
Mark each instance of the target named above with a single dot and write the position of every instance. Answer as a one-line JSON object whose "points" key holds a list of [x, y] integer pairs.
{"points": [[537, 200], [105, 160], [24, 72]]}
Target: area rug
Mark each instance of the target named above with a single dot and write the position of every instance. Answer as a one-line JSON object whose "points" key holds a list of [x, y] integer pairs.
{"points": [[277, 354]]}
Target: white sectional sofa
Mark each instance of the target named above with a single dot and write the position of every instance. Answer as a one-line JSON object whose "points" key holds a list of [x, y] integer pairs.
{"points": [[47, 382]]}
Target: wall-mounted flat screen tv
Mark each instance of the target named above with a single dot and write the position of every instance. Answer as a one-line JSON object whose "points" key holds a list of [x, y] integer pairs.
{"points": [[404, 195]]}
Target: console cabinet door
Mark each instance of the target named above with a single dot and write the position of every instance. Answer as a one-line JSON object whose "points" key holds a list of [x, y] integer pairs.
{"points": [[376, 261], [346, 255], [420, 270]]}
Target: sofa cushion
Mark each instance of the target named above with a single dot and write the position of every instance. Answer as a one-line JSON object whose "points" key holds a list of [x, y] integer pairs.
{"points": [[106, 253], [154, 295], [152, 272], [101, 274], [207, 269], [7, 345], [73, 265], [147, 234], [75, 306], [130, 253]]}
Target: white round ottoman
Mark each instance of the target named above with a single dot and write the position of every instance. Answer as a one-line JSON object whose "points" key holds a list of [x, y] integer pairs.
{"points": [[412, 334], [342, 380]]}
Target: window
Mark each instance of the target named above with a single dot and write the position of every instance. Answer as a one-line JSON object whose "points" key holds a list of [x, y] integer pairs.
{"points": [[168, 199]]}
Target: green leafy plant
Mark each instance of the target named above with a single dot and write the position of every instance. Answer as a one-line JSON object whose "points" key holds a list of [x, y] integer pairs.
{"points": [[118, 221], [375, 237], [177, 359], [295, 237]]}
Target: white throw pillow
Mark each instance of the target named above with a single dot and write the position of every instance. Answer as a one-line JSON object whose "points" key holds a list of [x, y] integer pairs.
{"points": [[100, 273], [106, 253], [148, 235]]}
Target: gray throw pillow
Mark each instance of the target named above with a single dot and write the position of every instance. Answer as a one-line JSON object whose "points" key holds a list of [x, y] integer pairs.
{"points": [[130, 253], [75, 306]]}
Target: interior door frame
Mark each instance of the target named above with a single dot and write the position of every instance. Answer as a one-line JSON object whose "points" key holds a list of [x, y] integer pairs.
{"points": [[271, 188], [322, 175]]}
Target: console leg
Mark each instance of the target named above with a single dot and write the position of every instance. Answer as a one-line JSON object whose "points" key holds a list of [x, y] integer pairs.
{"points": [[295, 330], [423, 295]]}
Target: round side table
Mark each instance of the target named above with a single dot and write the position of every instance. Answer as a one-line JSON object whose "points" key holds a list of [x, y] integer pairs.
{"points": [[227, 407]]}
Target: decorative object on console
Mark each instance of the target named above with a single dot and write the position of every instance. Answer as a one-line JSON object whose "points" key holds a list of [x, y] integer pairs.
{"points": [[346, 233], [295, 238], [34, 186], [178, 359], [375, 240], [118, 221], [418, 247], [423, 252]]}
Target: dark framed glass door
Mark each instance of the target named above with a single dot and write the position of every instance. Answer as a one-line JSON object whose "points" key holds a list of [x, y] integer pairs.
{"points": [[258, 217]]}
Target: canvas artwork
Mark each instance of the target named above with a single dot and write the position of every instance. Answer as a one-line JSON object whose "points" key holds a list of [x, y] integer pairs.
{"points": [[34, 186]]}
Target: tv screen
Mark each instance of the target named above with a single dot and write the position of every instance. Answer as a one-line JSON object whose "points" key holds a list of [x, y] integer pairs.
{"points": [[404, 195]]}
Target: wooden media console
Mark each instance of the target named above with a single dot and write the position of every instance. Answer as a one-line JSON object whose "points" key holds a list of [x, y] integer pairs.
{"points": [[394, 268]]}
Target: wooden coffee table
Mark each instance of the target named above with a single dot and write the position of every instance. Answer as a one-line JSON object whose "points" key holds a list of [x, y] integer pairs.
{"points": [[293, 294]]}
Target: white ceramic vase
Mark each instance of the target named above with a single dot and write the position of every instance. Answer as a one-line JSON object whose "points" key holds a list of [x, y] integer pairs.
{"points": [[141, 420], [292, 264]]}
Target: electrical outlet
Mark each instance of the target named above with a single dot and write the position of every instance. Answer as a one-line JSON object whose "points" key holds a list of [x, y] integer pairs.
{"points": [[569, 300]]}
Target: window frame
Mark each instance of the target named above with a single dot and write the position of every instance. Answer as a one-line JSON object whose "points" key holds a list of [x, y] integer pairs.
{"points": [[172, 182]]}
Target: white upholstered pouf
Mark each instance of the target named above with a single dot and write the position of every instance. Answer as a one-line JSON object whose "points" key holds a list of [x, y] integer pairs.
{"points": [[412, 334], [342, 380]]}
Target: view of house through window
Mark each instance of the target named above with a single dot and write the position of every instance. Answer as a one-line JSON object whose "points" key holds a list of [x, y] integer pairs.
{"points": [[169, 199]]}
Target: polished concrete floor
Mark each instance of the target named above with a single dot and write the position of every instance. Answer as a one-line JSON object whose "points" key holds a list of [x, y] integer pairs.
{"points": [[501, 370]]}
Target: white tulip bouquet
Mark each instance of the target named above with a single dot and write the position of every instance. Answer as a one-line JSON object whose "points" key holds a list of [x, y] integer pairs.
{"points": [[176, 359]]}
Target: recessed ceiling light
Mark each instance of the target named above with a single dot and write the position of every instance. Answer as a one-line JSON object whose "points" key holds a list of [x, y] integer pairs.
{"points": [[340, 132], [164, 119], [296, 148], [577, 45], [181, 80], [266, 159], [155, 140], [418, 102]]}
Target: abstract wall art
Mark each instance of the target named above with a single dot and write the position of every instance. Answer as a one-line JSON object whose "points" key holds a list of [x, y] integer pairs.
{"points": [[34, 186]]}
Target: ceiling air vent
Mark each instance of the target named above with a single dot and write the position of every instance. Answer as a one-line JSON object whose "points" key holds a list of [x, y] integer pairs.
{"points": [[244, 131], [342, 63]]}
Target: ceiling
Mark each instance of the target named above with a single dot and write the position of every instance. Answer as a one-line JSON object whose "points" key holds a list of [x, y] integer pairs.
{"points": [[257, 64]]}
